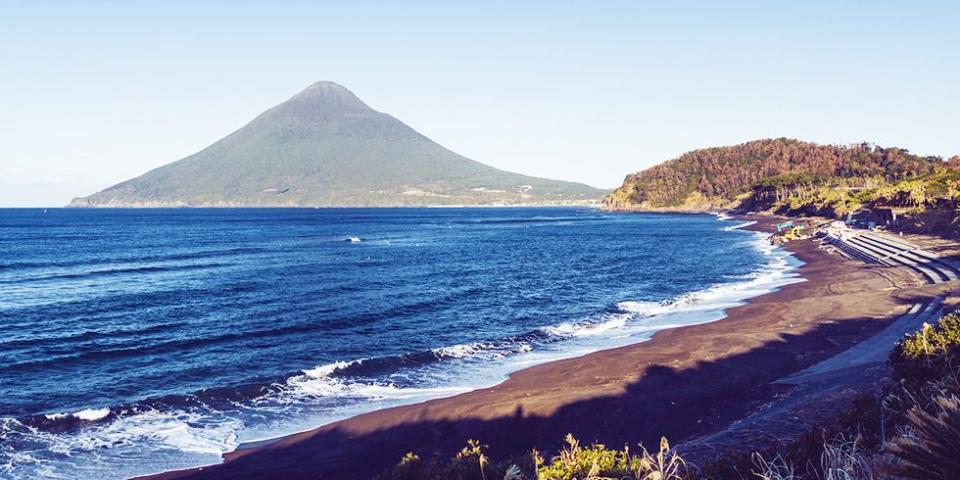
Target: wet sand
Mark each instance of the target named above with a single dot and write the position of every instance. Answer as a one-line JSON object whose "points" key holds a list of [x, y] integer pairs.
{"points": [[684, 383]]}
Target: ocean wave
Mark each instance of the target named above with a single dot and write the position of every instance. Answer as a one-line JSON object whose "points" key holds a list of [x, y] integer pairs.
{"points": [[376, 379], [533, 220], [115, 271], [192, 255], [639, 307], [739, 226], [778, 271], [305, 387], [206, 424], [191, 434], [489, 350], [87, 414], [590, 328], [358, 377], [322, 371]]}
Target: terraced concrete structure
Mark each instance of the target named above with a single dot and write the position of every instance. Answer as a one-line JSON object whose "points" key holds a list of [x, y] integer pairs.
{"points": [[880, 249], [876, 248]]}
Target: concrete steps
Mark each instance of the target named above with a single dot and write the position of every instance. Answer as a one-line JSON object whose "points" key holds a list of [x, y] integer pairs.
{"points": [[878, 249], [850, 251], [896, 258], [948, 267]]}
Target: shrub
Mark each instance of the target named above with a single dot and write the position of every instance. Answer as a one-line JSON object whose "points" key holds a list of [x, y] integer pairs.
{"points": [[574, 462], [929, 353], [596, 462], [471, 463]]}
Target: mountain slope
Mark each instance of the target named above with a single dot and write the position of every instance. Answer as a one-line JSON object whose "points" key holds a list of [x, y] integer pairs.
{"points": [[325, 147], [715, 177]]}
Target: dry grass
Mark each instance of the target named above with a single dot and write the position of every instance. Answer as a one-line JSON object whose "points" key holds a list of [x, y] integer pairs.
{"points": [[930, 450], [777, 468], [843, 459]]}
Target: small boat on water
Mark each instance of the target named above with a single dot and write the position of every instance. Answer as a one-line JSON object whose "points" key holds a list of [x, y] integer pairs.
{"points": [[353, 240]]}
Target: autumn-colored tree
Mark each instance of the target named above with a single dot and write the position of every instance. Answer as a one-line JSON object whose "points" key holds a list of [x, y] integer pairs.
{"points": [[722, 173]]}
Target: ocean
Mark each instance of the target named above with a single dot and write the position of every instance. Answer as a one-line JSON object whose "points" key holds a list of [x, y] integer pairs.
{"points": [[137, 341]]}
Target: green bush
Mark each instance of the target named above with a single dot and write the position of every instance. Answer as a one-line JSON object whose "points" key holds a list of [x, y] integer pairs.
{"points": [[929, 353], [596, 461], [574, 462], [471, 463]]}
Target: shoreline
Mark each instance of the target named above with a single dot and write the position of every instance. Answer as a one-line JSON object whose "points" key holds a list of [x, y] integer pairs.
{"points": [[746, 226], [666, 378], [755, 223]]}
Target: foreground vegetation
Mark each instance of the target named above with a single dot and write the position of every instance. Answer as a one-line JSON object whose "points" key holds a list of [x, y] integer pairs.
{"points": [[910, 431], [572, 462]]}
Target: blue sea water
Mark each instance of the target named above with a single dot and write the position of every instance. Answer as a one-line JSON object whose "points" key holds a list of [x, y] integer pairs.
{"points": [[135, 341]]}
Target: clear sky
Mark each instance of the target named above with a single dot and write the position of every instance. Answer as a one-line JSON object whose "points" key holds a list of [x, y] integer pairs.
{"points": [[93, 93]]}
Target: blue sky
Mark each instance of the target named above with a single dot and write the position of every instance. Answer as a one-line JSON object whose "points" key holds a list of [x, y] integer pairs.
{"points": [[93, 93]]}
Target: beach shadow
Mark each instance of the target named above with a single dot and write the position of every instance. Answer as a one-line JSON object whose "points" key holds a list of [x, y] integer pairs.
{"points": [[664, 401]]}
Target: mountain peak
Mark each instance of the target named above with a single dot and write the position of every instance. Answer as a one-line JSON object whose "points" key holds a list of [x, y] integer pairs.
{"points": [[327, 87], [321, 102], [329, 93]]}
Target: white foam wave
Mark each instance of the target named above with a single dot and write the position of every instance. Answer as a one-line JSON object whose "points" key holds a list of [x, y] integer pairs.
{"points": [[304, 386], [588, 329], [322, 371], [461, 351], [739, 226], [779, 270], [710, 302], [318, 383], [484, 350], [639, 307], [87, 414], [120, 444], [92, 414]]}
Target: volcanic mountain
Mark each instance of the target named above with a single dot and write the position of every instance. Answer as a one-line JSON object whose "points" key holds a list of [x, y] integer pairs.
{"points": [[325, 147]]}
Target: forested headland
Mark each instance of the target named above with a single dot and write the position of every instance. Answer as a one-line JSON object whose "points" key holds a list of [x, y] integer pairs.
{"points": [[792, 177]]}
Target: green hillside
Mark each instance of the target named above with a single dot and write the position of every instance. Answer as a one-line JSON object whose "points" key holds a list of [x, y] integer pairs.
{"points": [[724, 177], [325, 147]]}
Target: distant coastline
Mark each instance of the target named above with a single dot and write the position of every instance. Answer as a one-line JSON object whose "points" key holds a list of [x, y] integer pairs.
{"points": [[81, 205]]}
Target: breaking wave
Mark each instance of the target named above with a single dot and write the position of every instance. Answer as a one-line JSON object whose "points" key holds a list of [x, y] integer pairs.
{"points": [[198, 428]]}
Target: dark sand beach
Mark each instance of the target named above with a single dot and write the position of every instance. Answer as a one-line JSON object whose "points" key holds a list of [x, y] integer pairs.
{"points": [[684, 383]]}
